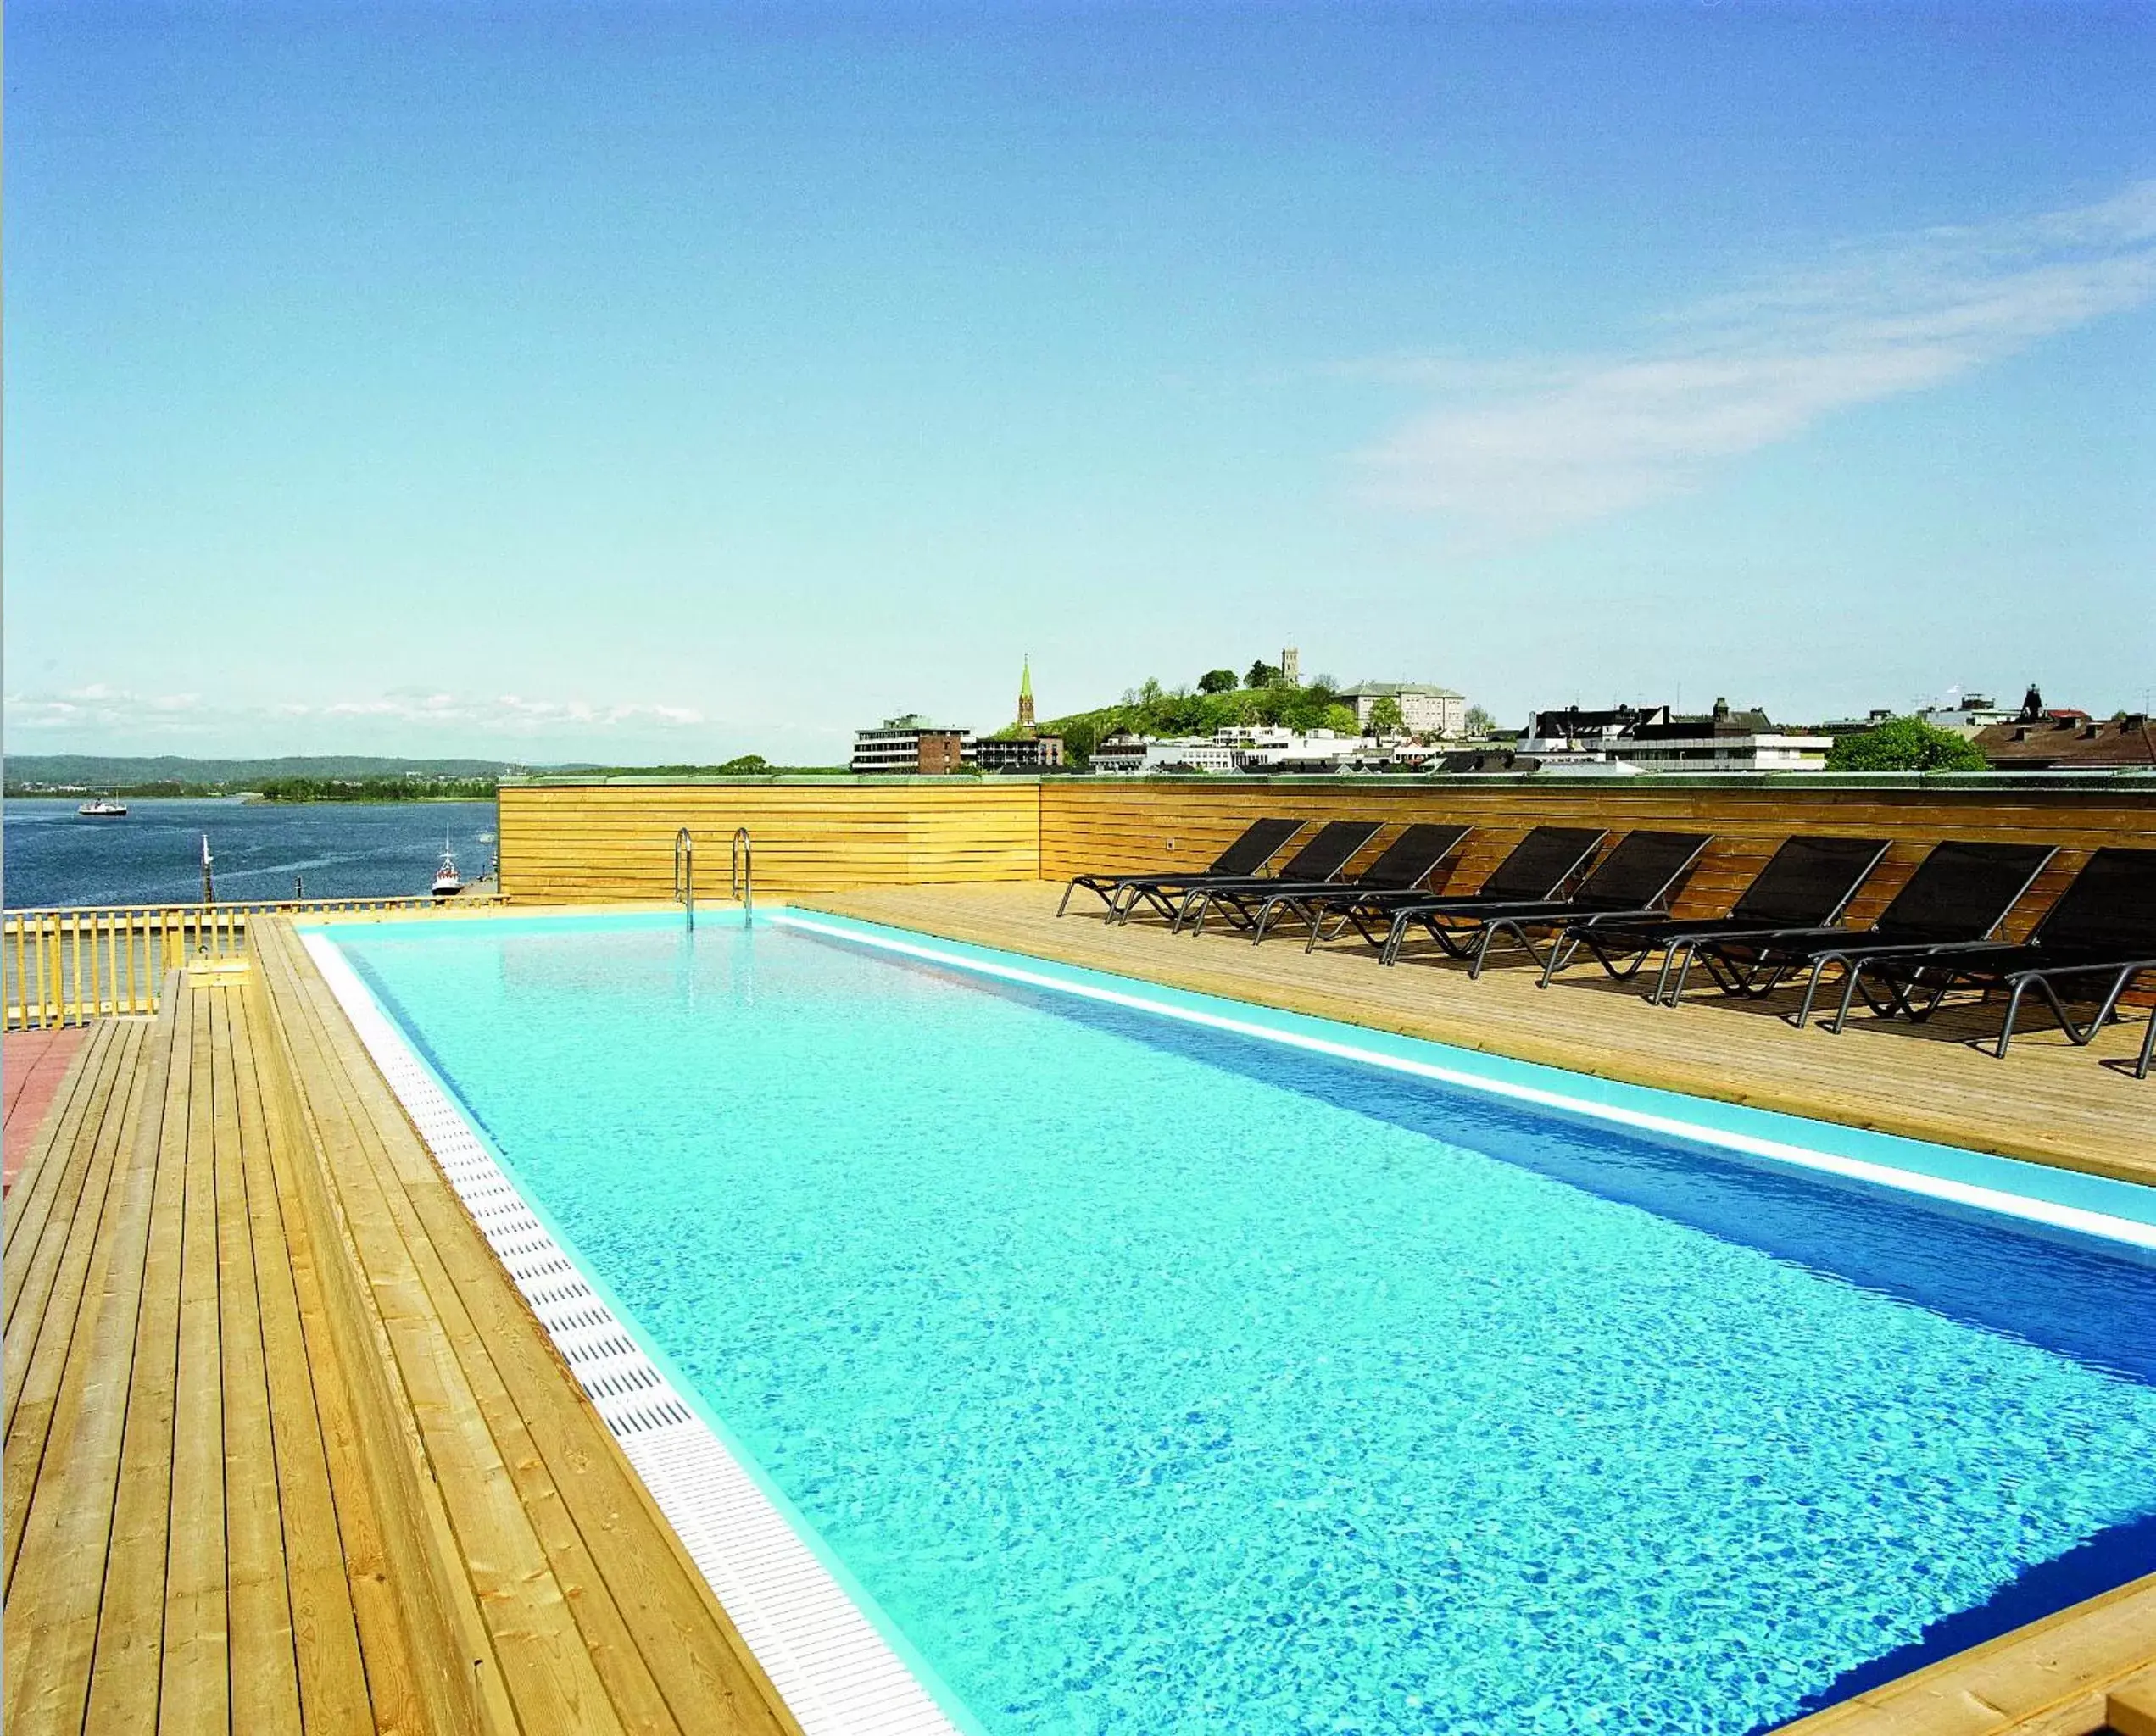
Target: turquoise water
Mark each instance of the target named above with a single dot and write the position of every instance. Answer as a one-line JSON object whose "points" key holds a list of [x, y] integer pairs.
{"points": [[1152, 1379]]}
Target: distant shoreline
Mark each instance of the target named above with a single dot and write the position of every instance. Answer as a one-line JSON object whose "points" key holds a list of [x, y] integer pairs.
{"points": [[251, 798]]}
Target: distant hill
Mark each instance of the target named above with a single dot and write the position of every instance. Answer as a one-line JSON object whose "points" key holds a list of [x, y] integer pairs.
{"points": [[99, 771], [1152, 710]]}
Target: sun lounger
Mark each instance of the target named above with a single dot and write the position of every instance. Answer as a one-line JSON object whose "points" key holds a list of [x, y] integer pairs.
{"points": [[1807, 883], [2091, 946], [1403, 866], [1636, 880], [1318, 863], [1960, 891], [1260, 842], [1535, 872]]}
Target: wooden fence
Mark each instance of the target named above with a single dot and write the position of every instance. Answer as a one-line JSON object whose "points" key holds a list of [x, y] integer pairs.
{"points": [[579, 844], [68, 967]]}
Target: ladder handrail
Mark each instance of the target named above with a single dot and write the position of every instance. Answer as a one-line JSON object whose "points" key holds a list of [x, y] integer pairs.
{"points": [[743, 867], [685, 874]]}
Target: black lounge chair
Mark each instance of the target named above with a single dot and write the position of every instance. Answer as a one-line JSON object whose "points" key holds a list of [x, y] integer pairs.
{"points": [[1807, 883], [2091, 944], [1959, 893], [1318, 863], [1402, 866], [1535, 872], [1634, 880], [1260, 842]]}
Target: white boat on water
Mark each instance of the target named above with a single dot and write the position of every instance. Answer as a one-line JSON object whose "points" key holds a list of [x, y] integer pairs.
{"points": [[102, 808], [448, 882]]}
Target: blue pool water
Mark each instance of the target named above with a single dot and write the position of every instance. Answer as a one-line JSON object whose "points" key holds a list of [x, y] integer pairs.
{"points": [[1154, 1379]]}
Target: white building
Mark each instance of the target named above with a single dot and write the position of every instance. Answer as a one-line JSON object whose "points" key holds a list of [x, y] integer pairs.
{"points": [[1652, 738], [1968, 714], [910, 743], [1767, 752], [1423, 711], [1254, 747], [1123, 752]]}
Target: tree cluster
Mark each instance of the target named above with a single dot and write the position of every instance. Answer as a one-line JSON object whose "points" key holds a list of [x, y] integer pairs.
{"points": [[377, 789], [1905, 745], [1217, 702]]}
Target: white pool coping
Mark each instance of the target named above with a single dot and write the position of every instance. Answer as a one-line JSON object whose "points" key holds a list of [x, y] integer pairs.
{"points": [[1516, 1082], [833, 1668]]}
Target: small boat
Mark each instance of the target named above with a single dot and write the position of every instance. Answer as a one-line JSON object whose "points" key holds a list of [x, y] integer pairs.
{"points": [[448, 882], [102, 808]]}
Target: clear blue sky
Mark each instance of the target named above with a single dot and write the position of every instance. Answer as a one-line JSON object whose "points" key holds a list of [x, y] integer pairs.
{"points": [[674, 380]]}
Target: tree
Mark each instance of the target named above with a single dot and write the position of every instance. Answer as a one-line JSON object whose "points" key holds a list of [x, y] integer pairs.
{"points": [[747, 764], [1386, 718], [1218, 680], [1261, 675], [1478, 722], [1905, 745]]}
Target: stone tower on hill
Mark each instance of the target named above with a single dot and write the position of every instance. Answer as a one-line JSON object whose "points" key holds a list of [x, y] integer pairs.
{"points": [[1026, 696]]}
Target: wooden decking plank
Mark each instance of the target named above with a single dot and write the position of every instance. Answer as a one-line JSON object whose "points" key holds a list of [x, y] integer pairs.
{"points": [[265, 1687], [355, 1661], [400, 1544], [197, 1686], [44, 1189], [34, 1262], [549, 1668], [465, 1556], [128, 1668], [49, 1133], [329, 1680], [666, 1610], [53, 1620], [36, 1369], [633, 1601]]}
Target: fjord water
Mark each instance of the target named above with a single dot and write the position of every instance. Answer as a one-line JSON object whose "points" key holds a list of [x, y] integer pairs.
{"points": [[56, 857], [1152, 1379]]}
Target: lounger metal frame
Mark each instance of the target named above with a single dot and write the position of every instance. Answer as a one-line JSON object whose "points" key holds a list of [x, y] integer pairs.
{"points": [[1306, 902], [1120, 893], [1563, 920], [1360, 910], [1430, 913], [1676, 944], [1761, 975], [1232, 898]]}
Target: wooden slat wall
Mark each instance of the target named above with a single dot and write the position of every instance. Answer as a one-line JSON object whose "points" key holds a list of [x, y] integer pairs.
{"points": [[1096, 828], [610, 842], [602, 843]]}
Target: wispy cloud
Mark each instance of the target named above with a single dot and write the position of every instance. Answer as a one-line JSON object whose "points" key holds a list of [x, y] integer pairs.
{"points": [[102, 710], [1530, 445]]}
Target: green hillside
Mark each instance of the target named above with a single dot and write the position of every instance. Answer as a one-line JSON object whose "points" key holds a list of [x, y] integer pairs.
{"points": [[1154, 711]]}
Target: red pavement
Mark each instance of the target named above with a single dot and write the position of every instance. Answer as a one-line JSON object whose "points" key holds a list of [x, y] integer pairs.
{"points": [[32, 1064]]}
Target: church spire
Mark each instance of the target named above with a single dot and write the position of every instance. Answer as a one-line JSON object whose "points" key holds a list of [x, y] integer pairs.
{"points": [[1025, 695]]}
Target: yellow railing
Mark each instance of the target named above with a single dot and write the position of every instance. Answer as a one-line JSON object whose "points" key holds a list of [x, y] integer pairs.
{"points": [[68, 967]]}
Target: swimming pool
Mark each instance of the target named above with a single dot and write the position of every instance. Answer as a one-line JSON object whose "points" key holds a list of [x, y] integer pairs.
{"points": [[1145, 1373]]}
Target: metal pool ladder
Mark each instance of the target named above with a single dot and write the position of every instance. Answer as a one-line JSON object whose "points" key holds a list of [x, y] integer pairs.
{"points": [[744, 873], [685, 875]]}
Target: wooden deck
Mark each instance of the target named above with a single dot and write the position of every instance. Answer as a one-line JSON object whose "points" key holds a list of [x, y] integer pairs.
{"points": [[285, 1449], [2048, 1100]]}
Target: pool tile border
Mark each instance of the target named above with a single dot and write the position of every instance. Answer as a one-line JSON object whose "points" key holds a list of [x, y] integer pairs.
{"points": [[831, 1664], [2121, 1214]]}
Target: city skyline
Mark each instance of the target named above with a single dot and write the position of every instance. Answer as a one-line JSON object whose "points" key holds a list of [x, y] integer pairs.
{"points": [[649, 386]]}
